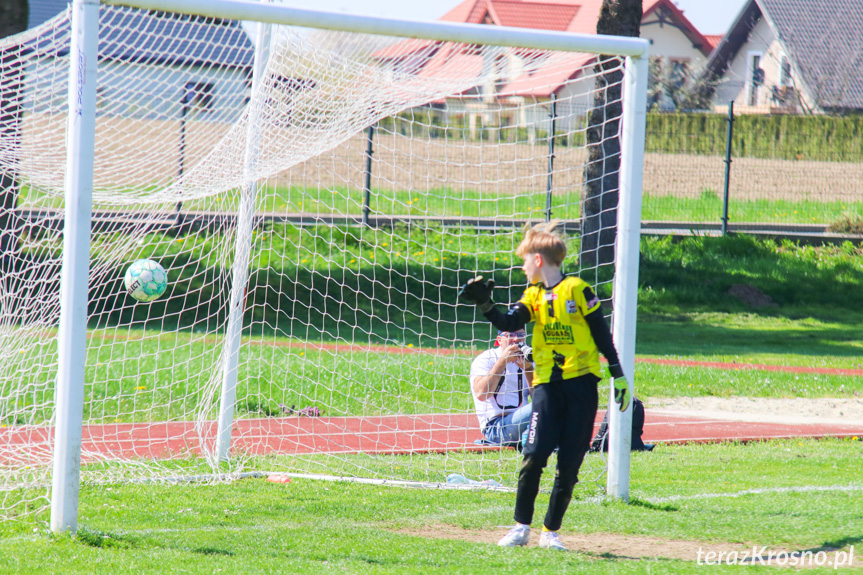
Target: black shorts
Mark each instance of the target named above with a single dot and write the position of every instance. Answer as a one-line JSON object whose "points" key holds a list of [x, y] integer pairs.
{"points": [[563, 417]]}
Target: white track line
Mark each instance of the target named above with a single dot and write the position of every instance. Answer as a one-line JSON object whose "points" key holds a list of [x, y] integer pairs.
{"points": [[800, 489]]}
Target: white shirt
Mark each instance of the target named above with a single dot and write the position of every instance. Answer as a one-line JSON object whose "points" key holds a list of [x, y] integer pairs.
{"points": [[507, 397]]}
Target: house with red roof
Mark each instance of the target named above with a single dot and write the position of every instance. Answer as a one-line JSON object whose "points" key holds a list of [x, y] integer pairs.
{"points": [[678, 52]]}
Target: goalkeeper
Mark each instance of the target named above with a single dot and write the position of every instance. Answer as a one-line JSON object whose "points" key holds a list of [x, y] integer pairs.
{"points": [[569, 333]]}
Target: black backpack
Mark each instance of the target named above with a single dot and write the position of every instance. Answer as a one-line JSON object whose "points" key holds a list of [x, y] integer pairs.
{"points": [[600, 442]]}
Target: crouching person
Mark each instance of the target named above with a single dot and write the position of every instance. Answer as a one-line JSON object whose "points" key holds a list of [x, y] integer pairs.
{"points": [[500, 381]]}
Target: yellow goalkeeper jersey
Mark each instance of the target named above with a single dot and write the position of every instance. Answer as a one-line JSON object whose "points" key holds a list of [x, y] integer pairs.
{"points": [[563, 346]]}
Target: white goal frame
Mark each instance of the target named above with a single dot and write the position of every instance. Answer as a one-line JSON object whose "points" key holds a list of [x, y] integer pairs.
{"points": [[80, 142]]}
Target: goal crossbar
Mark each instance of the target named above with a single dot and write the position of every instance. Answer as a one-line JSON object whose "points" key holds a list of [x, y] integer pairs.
{"points": [[451, 32]]}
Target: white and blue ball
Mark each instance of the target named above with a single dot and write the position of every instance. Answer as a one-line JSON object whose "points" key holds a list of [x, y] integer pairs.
{"points": [[146, 280]]}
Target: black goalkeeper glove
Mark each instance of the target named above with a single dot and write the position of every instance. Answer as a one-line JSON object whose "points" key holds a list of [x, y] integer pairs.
{"points": [[478, 291]]}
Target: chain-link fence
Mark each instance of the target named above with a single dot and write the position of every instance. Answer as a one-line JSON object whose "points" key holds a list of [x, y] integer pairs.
{"points": [[797, 171]]}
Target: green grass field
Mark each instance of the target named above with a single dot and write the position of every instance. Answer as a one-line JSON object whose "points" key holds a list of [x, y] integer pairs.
{"points": [[714, 497], [707, 207], [792, 495]]}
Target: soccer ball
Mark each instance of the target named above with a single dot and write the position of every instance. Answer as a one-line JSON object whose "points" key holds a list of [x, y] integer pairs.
{"points": [[146, 280]]}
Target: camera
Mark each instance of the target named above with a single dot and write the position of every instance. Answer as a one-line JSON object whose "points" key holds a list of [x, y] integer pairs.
{"points": [[526, 351]]}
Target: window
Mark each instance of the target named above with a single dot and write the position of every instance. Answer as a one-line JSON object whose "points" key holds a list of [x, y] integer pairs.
{"points": [[755, 78], [783, 91]]}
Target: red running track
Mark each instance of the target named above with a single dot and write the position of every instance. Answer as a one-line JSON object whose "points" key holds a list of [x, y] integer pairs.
{"points": [[391, 434], [666, 426]]}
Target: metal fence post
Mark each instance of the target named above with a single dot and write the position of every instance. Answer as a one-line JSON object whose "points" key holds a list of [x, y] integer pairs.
{"points": [[549, 186], [728, 140], [367, 183]]}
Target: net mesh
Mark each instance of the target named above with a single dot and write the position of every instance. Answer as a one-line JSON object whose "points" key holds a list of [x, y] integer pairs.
{"points": [[338, 198]]}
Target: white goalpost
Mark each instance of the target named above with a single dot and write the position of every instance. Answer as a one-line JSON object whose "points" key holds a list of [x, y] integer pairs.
{"points": [[317, 186]]}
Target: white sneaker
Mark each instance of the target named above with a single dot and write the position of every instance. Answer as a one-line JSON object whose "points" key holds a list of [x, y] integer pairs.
{"points": [[550, 540], [517, 536]]}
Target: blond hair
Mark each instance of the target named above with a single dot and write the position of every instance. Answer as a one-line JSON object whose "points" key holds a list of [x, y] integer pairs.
{"points": [[543, 239]]}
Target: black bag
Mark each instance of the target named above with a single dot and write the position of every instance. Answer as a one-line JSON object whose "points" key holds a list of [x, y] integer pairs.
{"points": [[600, 442]]}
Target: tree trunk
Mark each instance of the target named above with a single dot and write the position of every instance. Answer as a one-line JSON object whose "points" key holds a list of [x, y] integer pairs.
{"points": [[602, 182], [13, 17]]}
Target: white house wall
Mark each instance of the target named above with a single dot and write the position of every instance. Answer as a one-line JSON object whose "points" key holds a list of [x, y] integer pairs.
{"points": [[733, 84], [573, 104], [575, 100], [140, 91], [139, 112], [669, 42], [150, 91]]}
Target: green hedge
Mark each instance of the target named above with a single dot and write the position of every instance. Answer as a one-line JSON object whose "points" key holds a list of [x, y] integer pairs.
{"points": [[823, 138], [786, 137]]}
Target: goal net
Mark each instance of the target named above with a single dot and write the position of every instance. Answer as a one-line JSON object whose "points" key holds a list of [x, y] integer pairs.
{"points": [[316, 198]]}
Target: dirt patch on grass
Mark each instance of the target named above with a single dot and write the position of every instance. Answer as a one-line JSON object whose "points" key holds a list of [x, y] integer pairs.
{"points": [[766, 409], [751, 296], [634, 547]]}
